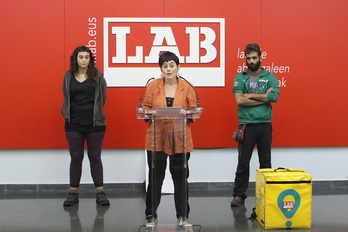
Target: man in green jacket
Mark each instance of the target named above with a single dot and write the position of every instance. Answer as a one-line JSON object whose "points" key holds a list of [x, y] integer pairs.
{"points": [[254, 90]]}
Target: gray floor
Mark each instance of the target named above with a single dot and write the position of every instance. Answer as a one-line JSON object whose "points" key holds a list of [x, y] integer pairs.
{"points": [[210, 212]]}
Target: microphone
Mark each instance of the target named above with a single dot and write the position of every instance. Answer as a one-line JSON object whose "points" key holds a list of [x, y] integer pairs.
{"points": [[197, 96], [142, 93]]}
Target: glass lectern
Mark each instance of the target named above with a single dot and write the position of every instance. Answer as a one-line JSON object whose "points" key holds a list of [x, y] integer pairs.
{"points": [[168, 133]]}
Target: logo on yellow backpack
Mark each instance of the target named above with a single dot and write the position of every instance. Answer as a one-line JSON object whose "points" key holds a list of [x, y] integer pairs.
{"points": [[288, 202]]}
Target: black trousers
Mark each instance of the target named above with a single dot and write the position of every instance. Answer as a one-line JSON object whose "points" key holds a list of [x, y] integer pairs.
{"points": [[259, 134], [179, 170], [76, 142]]}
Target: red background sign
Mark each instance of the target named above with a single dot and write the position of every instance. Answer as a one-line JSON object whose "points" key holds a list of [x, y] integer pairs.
{"points": [[309, 37]]}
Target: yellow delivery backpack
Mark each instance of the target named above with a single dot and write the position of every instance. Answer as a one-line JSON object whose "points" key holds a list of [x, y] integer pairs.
{"points": [[283, 198]]}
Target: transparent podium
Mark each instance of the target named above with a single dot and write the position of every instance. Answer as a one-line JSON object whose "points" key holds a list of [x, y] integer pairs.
{"points": [[169, 129]]}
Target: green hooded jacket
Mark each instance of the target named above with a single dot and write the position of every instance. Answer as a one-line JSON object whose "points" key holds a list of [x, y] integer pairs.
{"points": [[260, 113]]}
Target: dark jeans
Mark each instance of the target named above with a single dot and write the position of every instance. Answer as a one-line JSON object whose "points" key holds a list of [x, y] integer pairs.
{"points": [[261, 135], [76, 142], [179, 170]]}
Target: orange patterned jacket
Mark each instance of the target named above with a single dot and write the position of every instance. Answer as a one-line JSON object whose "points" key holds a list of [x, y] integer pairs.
{"points": [[169, 136]]}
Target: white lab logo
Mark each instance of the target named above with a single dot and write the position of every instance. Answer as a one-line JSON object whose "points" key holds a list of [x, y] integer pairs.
{"points": [[132, 47]]}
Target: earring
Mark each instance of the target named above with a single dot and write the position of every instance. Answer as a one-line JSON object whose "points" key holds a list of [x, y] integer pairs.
{"points": [[177, 75], [161, 74]]}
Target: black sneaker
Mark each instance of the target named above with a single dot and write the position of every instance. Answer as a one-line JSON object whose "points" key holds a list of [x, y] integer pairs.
{"points": [[101, 198], [150, 221], [72, 199], [237, 201], [183, 221]]}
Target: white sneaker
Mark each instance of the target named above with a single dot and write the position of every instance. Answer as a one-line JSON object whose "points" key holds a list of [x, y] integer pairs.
{"points": [[150, 221], [183, 221]]}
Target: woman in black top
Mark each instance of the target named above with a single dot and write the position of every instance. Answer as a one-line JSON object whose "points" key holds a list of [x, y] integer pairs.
{"points": [[84, 90]]}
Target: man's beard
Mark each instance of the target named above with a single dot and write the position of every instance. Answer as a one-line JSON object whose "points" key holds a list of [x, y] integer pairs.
{"points": [[254, 67]]}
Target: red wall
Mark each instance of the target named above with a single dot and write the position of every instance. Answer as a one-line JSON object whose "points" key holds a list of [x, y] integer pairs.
{"points": [[308, 37]]}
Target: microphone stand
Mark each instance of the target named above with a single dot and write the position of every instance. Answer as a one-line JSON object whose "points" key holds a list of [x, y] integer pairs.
{"points": [[142, 93], [197, 96]]}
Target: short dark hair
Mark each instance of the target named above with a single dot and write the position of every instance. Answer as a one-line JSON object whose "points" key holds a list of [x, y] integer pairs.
{"points": [[252, 48], [167, 56]]}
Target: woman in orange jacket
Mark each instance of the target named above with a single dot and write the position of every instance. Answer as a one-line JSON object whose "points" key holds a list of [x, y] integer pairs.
{"points": [[168, 91]]}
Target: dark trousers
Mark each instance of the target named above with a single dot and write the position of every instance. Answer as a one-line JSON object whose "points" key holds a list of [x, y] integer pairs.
{"points": [[179, 170], [76, 142], [259, 134]]}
